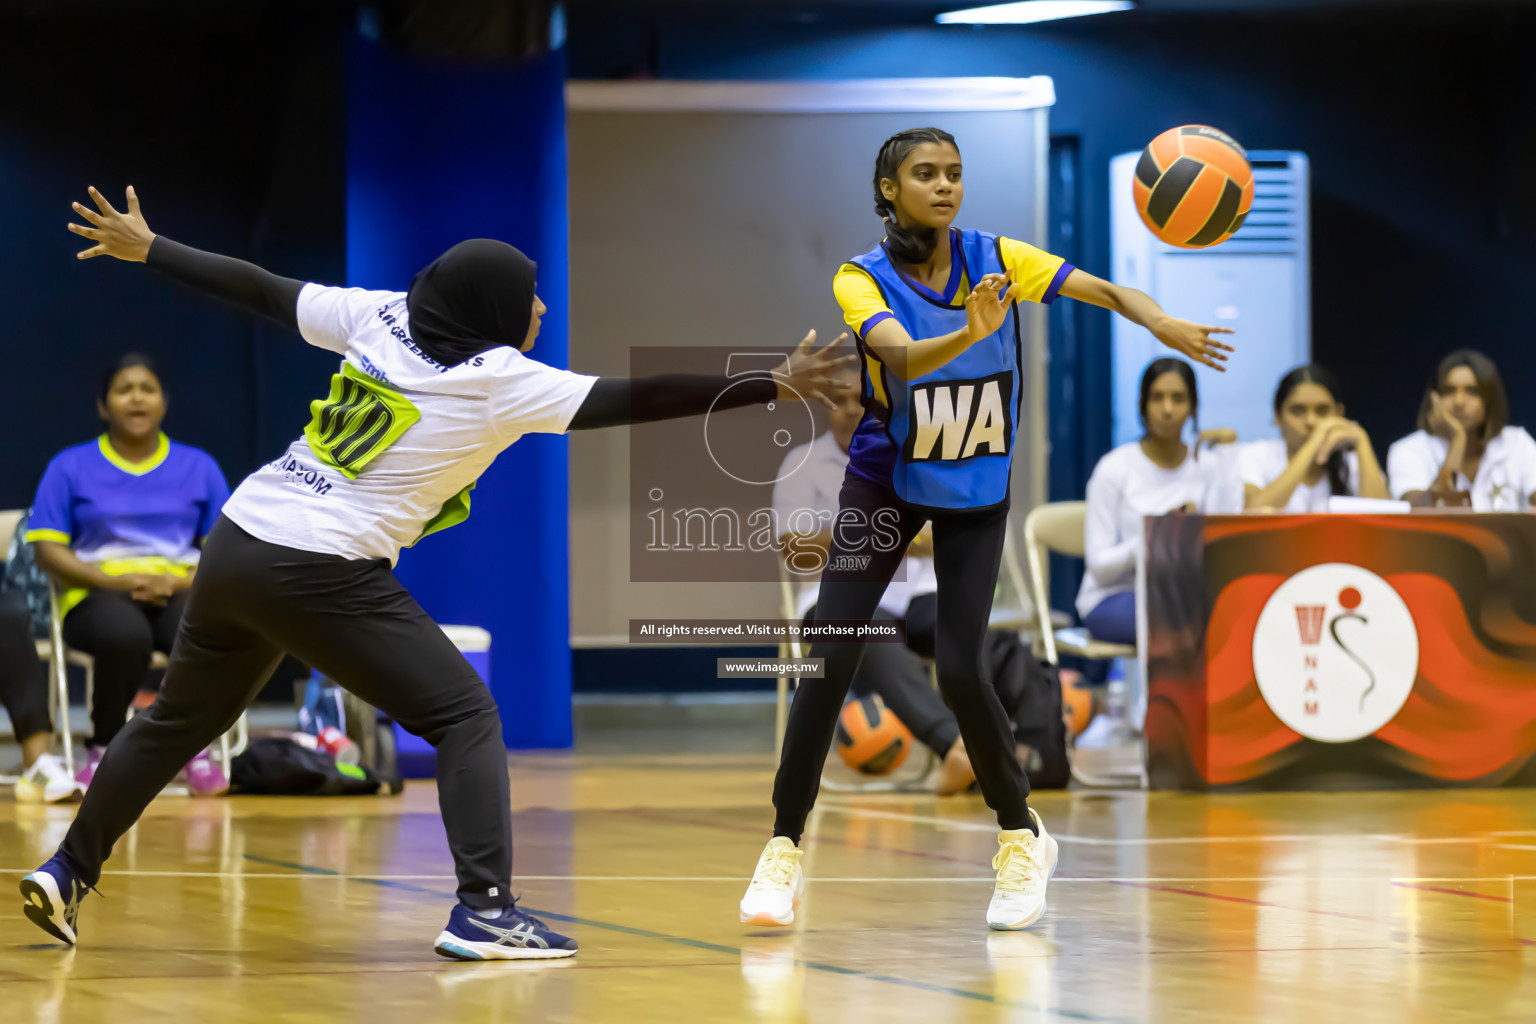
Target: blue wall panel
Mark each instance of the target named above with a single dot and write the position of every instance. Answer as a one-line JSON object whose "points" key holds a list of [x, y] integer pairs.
{"points": [[437, 154]]}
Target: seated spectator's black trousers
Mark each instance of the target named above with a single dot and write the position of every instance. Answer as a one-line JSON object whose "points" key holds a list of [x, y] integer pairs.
{"points": [[23, 678], [121, 635], [967, 550], [351, 619]]}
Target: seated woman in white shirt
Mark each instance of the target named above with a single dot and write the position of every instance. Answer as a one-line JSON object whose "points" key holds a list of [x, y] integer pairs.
{"points": [[1318, 455], [1159, 473], [1465, 452]]}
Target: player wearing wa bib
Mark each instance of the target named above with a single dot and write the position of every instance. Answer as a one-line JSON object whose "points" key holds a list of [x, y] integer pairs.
{"points": [[432, 385], [934, 311], [943, 440]]}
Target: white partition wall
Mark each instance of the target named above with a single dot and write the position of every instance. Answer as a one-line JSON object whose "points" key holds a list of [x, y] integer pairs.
{"points": [[715, 213], [1258, 282]]}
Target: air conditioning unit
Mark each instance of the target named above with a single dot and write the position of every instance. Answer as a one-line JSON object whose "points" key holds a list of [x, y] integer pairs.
{"points": [[1258, 282]]}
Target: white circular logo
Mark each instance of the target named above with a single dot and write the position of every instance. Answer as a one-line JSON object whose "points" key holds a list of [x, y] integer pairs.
{"points": [[1335, 652], [735, 444]]}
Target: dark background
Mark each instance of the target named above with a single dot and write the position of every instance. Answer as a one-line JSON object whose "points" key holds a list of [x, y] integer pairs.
{"points": [[231, 122]]}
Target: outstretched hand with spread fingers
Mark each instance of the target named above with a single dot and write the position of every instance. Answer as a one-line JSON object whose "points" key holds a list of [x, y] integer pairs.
{"points": [[1195, 341], [123, 235], [988, 304], [812, 376]]}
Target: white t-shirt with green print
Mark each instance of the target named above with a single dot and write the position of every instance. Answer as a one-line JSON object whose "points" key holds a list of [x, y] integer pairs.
{"points": [[390, 453]]}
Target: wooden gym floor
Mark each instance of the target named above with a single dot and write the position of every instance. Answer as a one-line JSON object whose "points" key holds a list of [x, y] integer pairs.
{"points": [[1166, 907]]}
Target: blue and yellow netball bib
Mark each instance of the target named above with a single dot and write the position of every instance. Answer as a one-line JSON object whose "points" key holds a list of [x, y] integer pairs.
{"points": [[944, 440]]}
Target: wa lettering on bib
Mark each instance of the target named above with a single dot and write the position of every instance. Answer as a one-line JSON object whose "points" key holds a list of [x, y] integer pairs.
{"points": [[960, 419]]}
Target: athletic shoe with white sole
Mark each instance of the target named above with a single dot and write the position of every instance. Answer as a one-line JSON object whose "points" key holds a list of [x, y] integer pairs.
{"points": [[53, 893], [776, 887], [509, 935], [1025, 862], [47, 782]]}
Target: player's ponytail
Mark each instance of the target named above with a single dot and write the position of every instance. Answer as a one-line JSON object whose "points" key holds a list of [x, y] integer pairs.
{"points": [[905, 244]]}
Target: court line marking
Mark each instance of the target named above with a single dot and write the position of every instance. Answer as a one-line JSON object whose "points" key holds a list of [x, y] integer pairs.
{"points": [[1454, 892], [1404, 881], [446, 969], [683, 819], [714, 947], [972, 826], [1250, 902]]}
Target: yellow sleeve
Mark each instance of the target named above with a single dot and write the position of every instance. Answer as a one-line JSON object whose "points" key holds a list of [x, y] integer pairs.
{"points": [[863, 305], [1037, 271]]}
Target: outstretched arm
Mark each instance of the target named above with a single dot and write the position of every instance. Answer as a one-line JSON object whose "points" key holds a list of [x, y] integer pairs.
{"points": [[808, 376], [1190, 339], [126, 236]]}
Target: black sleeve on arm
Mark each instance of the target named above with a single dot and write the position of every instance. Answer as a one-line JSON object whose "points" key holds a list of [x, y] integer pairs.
{"points": [[224, 277], [615, 401]]}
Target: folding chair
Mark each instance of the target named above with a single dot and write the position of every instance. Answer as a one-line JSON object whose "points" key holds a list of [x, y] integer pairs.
{"points": [[231, 743], [1058, 527], [58, 667]]}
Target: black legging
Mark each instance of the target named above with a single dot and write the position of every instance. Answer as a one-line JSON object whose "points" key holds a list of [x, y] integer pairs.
{"points": [[900, 678], [899, 675], [121, 635], [23, 678], [353, 621], [967, 550]]}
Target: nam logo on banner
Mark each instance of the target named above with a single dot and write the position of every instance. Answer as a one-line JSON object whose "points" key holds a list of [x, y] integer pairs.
{"points": [[1335, 652]]}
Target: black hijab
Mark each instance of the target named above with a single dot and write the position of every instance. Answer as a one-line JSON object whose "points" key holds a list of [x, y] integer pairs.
{"points": [[476, 296]]}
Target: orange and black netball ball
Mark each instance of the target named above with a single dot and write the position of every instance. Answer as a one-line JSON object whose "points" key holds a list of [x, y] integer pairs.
{"points": [[1193, 186]]}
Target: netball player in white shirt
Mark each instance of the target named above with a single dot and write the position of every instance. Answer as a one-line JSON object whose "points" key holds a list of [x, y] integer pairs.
{"points": [[433, 385], [1465, 451], [1158, 474], [1319, 453]]}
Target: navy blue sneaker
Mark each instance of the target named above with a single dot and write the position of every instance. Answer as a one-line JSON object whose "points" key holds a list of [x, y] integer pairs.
{"points": [[53, 894], [510, 935]]}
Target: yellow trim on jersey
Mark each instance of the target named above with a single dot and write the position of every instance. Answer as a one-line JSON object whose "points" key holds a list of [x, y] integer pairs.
{"points": [[149, 565], [69, 598], [860, 298], [1032, 268], [876, 383], [162, 450], [146, 565], [858, 295], [57, 536]]}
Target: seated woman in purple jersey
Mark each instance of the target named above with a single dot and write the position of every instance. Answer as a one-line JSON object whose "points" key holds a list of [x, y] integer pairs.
{"points": [[118, 522]]}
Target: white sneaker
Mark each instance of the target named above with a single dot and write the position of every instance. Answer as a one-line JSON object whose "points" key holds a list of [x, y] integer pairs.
{"points": [[776, 885], [47, 782], [1025, 862]]}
